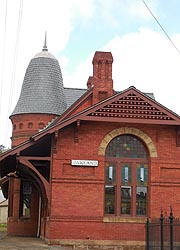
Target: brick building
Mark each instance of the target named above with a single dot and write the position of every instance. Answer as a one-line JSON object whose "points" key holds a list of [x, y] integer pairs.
{"points": [[88, 166]]}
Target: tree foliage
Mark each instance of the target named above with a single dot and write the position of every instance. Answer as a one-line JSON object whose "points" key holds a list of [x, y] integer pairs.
{"points": [[2, 149]]}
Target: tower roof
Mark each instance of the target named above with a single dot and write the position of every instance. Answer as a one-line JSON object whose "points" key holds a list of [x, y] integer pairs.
{"points": [[42, 90]]}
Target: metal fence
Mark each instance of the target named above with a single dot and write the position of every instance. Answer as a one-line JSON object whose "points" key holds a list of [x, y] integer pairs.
{"points": [[163, 233]]}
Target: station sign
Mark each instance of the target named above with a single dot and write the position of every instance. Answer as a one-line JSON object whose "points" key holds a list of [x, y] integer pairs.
{"points": [[85, 163]]}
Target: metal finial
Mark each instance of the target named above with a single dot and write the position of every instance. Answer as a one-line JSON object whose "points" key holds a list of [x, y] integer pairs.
{"points": [[45, 44]]}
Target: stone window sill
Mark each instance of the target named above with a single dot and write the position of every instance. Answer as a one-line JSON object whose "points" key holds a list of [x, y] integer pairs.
{"points": [[114, 219]]}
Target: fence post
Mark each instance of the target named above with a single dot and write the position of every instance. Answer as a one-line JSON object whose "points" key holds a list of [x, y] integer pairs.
{"points": [[161, 230], [171, 228], [147, 234]]}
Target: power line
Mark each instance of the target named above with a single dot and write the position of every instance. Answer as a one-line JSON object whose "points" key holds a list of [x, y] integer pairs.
{"points": [[161, 27], [15, 52], [3, 55], [14, 62]]}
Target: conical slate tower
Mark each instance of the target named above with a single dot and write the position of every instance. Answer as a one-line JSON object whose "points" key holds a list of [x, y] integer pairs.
{"points": [[42, 97]]}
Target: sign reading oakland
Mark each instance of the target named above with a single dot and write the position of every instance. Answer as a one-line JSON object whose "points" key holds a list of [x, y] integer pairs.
{"points": [[87, 163]]}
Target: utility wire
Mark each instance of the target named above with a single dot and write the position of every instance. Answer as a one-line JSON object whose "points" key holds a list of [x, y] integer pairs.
{"points": [[14, 63], [3, 58], [3, 54], [161, 27]]}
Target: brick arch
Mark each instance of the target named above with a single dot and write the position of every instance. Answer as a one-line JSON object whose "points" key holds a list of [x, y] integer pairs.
{"points": [[126, 130]]}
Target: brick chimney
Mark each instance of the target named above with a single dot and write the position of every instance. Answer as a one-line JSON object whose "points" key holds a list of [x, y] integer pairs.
{"points": [[102, 76]]}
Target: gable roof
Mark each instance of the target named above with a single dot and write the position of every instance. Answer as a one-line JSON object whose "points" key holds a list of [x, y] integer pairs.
{"points": [[133, 106], [76, 97], [128, 106], [72, 95]]}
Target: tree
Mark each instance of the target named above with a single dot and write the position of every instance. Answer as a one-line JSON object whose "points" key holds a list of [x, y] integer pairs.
{"points": [[2, 149]]}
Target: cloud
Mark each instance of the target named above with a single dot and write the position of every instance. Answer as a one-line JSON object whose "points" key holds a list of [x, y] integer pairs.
{"points": [[83, 9], [144, 59], [32, 26], [54, 16]]}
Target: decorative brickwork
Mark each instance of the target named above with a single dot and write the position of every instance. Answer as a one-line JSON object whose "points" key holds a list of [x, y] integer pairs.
{"points": [[102, 82], [26, 125], [127, 130]]}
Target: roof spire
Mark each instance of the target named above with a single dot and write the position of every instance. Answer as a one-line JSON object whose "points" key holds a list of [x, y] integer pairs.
{"points": [[45, 44]]}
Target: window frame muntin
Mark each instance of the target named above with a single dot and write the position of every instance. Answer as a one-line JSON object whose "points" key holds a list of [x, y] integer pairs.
{"points": [[119, 162], [131, 135]]}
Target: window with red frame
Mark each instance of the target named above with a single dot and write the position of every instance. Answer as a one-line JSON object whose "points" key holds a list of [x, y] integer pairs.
{"points": [[126, 177]]}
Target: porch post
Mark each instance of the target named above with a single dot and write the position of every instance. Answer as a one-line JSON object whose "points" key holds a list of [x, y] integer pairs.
{"points": [[16, 198]]}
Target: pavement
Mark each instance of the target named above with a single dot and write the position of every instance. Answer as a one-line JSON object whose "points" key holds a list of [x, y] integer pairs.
{"points": [[21, 243]]}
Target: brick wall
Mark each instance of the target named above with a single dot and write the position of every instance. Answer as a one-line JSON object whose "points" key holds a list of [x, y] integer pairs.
{"points": [[77, 195], [26, 125], [25, 226]]}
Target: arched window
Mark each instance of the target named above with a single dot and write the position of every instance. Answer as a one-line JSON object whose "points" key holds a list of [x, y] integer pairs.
{"points": [[126, 177], [21, 126], [41, 125], [30, 125]]}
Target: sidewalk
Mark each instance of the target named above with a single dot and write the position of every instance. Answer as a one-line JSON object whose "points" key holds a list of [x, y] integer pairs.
{"points": [[21, 243]]}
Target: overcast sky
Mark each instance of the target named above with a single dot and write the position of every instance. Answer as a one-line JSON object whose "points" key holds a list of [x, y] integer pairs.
{"points": [[143, 56]]}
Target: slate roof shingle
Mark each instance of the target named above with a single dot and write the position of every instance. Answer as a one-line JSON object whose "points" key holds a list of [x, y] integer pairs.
{"points": [[72, 95], [42, 90]]}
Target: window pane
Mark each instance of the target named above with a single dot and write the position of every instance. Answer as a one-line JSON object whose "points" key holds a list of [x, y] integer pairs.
{"points": [[126, 146], [109, 200], [125, 200], [141, 194], [26, 205], [142, 174], [26, 199], [126, 174], [110, 173]]}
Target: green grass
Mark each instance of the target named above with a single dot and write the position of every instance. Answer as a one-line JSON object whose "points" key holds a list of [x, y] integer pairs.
{"points": [[3, 227]]}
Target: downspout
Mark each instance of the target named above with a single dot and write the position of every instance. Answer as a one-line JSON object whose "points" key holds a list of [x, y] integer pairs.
{"points": [[39, 218]]}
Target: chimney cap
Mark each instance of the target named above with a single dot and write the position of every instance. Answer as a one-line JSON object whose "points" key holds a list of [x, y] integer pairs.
{"points": [[102, 56]]}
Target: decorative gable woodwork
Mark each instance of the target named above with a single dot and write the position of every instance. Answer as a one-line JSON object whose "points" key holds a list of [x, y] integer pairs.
{"points": [[129, 106], [134, 106]]}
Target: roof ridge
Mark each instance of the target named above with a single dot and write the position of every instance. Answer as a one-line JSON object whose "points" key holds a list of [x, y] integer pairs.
{"points": [[75, 88]]}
